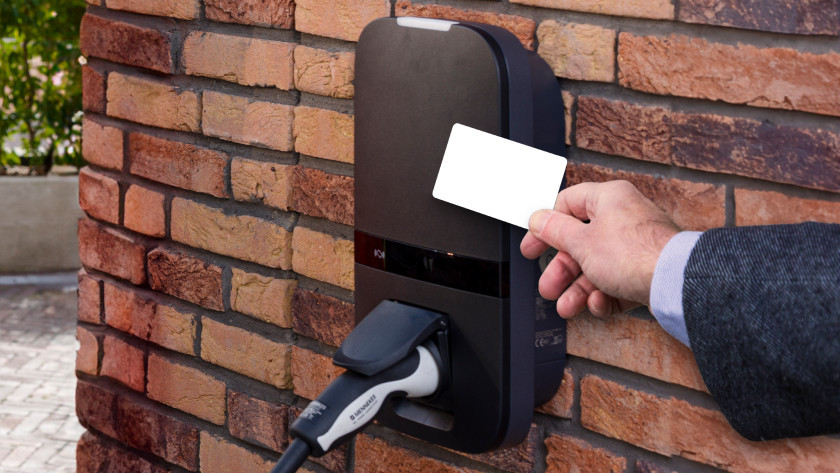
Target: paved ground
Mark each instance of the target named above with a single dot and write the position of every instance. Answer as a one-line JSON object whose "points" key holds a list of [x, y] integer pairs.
{"points": [[38, 426]]}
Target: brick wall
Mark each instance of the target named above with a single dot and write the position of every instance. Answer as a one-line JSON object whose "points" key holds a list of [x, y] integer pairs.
{"points": [[217, 244]]}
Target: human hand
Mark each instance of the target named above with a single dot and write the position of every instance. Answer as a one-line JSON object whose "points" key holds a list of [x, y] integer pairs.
{"points": [[606, 264]]}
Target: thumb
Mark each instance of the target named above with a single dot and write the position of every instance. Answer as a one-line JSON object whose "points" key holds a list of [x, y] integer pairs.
{"points": [[558, 230]]}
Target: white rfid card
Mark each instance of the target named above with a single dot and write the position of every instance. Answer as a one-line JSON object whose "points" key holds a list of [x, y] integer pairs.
{"points": [[497, 177]]}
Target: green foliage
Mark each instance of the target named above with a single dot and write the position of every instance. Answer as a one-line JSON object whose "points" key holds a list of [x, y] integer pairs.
{"points": [[40, 83]]}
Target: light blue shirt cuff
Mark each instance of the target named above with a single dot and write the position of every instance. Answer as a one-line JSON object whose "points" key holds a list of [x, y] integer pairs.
{"points": [[666, 289]]}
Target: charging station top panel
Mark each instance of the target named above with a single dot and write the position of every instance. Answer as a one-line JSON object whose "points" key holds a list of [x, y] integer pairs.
{"points": [[412, 85]]}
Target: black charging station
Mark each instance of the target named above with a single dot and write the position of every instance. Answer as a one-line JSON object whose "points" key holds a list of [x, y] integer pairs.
{"points": [[433, 275]]}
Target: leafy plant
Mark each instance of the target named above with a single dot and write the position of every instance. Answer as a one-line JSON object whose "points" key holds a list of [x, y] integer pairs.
{"points": [[40, 83]]}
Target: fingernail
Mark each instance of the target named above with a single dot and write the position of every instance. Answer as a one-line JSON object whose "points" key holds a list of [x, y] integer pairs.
{"points": [[537, 221]]}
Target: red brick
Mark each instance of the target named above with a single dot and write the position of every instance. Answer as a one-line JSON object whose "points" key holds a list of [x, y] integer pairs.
{"points": [[262, 297], [321, 317], [95, 408], [187, 389], [578, 51], [87, 355], [653, 9], [90, 298], [240, 236], [623, 129], [692, 205], [126, 43], [125, 309], [178, 164], [246, 353], [742, 74], [153, 102], [186, 277], [781, 16], [560, 405], [144, 211], [262, 182], [108, 250], [644, 466], [523, 28], [754, 207], [324, 134], [673, 427], [377, 456], [102, 145], [568, 454], [342, 19], [180, 9], [276, 14], [322, 72], [93, 90], [311, 372], [242, 120], [145, 428], [259, 422], [323, 257], [124, 363], [172, 329], [221, 456], [246, 61], [323, 195], [99, 196], [94, 455]]}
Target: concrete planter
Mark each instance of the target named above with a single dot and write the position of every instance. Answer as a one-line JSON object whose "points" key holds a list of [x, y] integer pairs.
{"points": [[38, 216]]}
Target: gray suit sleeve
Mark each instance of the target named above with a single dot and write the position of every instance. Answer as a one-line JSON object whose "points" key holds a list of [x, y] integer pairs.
{"points": [[762, 308]]}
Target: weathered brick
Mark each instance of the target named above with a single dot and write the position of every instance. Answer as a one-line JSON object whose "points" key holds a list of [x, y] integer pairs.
{"points": [[153, 102], [99, 196], [692, 205], [644, 466], [342, 19], [181, 9], [276, 14], [127, 311], [323, 195], [241, 120], [322, 72], [246, 61], [568, 105], [653, 9], [221, 456], [378, 456], [637, 345], [95, 408], [800, 156], [124, 363], [754, 207], [246, 353], [560, 405], [523, 28], [311, 372], [244, 237], [324, 134], [93, 90], [145, 428], [90, 298], [187, 389], [186, 277], [95, 455], [567, 454], [87, 355], [623, 129], [178, 164], [262, 297], [262, 182], [126, 43], [259, 422], [323, 257], [577, 51], [102, 145], [173, 329], [321, 317], [518, 459], [649, 421], [108, 250], [144, 211], [780, 16], [742, 74]]}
